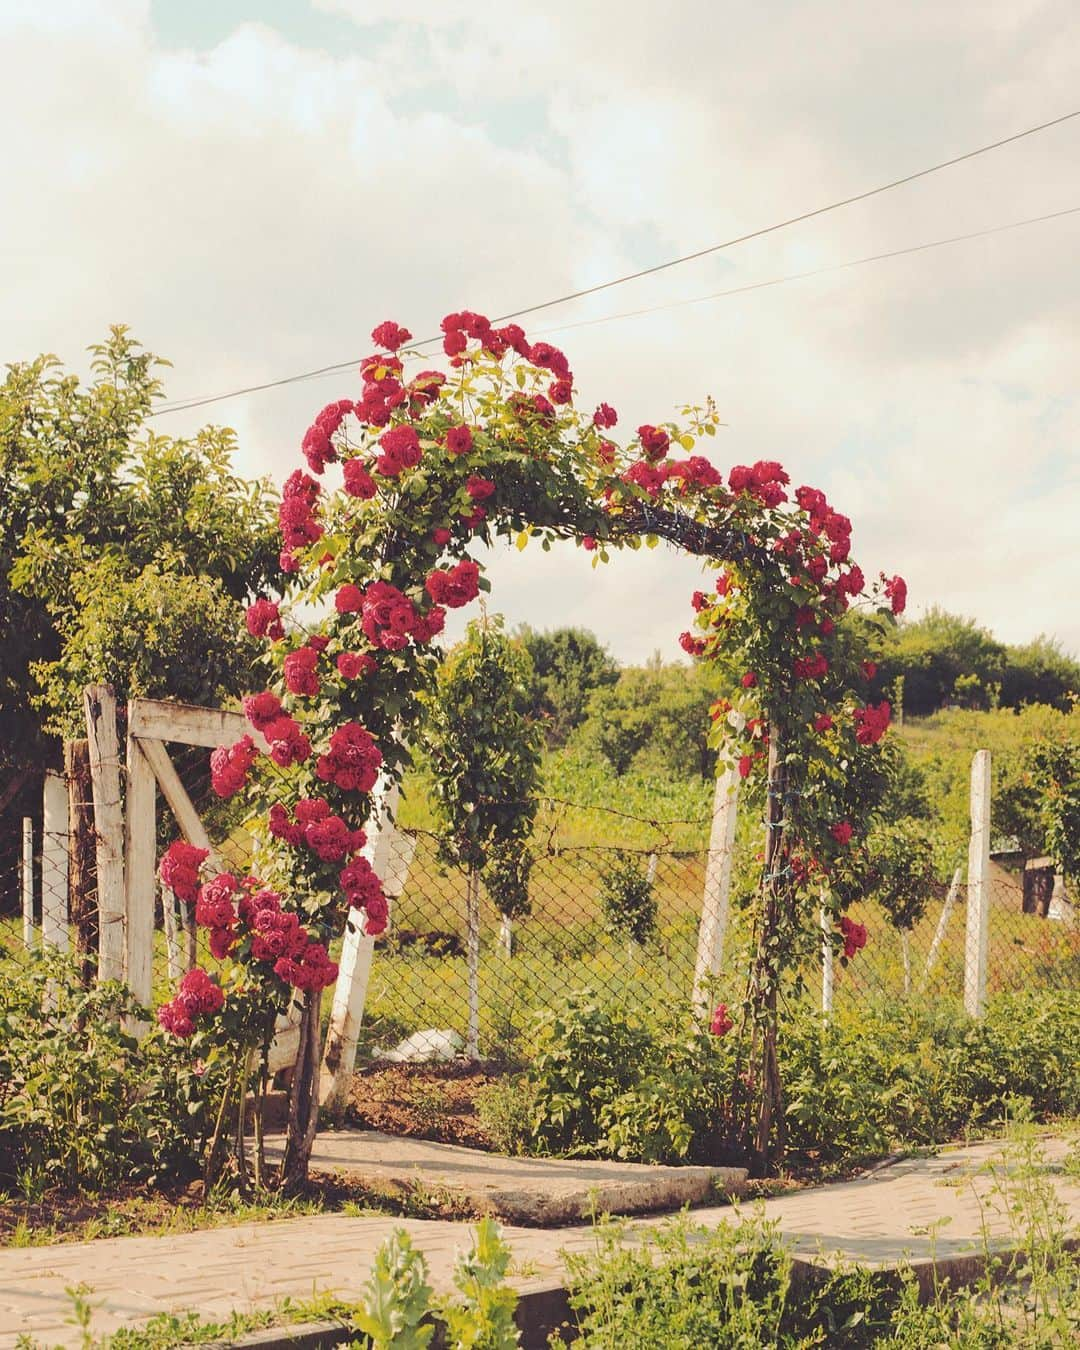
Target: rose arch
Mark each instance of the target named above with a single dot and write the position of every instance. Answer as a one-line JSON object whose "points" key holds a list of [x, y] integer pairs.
{"points": [[401, 484]]}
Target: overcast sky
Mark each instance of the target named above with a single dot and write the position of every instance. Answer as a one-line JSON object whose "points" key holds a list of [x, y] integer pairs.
{"points": [[252, 186]]}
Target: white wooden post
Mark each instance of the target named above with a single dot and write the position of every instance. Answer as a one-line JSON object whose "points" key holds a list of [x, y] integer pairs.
{"points": [[350, 992], [139, 873], [54, 863], [472, 959], [976, 943], [175, 963], [717, 893], [943, 923], [100, 707], [827, 971], [26, 876]]}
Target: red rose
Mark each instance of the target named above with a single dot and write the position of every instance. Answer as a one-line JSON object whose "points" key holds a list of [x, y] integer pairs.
{"points": [[841, 831], [479, 489], [459, 440], [654, 442], [605, 416], [721, 1023], [749, 680], [351, 665], [300, 669], [823, 723], [441, 535], [349, 599], [896, 592], [358, 482], [390, 335], [400, 450], [264, 620]]}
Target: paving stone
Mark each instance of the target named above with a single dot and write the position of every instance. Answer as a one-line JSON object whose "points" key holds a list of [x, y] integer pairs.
{"points": [[875, 1220]]}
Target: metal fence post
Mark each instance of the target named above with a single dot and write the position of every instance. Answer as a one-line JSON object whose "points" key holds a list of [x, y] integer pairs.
{"points": [[976, 941]]}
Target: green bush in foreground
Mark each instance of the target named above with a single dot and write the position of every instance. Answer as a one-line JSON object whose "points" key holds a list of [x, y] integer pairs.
{"points": [[611, 1081], [84, 1104]]}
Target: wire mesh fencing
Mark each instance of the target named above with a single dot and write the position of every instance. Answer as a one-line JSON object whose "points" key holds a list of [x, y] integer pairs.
{"points": [[621, 919]]}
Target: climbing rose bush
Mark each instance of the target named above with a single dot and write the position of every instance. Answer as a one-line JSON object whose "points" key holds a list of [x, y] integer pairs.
{"points": [[403, 479]]}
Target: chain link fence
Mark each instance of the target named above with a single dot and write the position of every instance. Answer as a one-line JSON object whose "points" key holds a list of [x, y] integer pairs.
{"points": [[620, 919]]}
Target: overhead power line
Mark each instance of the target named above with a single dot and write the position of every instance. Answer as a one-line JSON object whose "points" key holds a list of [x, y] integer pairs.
{"points": [[184, 405], [813, 272]]}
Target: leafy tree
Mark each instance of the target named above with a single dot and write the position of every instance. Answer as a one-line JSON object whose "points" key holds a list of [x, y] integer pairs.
{"points": [[484, 751], [943, 659], [654, 719], [125, 555], [569, 664], [1040, 672]]}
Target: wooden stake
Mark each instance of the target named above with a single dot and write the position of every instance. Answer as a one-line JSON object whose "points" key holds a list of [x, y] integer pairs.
{"points": [[82, 869]]}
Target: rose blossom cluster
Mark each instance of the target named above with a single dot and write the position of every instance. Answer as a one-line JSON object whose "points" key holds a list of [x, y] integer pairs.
{"points": [[363, 890], [313, 825], [197, 995], [854, 935], [871, 723], [387, 616], [179, 869], [288, 744], [454, 586], [230, 766], [353, 760]]}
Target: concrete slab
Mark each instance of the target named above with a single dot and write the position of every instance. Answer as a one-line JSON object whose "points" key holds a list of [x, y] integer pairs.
{"points": [[532, 1192]]}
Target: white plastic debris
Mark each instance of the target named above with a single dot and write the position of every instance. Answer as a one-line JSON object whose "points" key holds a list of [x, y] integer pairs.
{"points": [[424, 1046]]}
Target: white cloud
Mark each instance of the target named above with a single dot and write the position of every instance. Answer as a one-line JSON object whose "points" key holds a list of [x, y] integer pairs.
{"points": [[253, 209]]}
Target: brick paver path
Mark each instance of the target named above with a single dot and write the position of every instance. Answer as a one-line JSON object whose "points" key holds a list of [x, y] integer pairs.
{"points": [[875, 1219]]}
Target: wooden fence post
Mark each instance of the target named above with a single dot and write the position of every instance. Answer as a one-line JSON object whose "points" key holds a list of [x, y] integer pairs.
{"points": [[100, 706], [140, 881], [350, 992], [976, 941], [54, 863], [716, 896], [26, 881], [82, 864]]}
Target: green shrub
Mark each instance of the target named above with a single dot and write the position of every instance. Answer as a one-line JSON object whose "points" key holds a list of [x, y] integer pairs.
{"points": [[609, 1080], [628, 902], [82, 1102]]}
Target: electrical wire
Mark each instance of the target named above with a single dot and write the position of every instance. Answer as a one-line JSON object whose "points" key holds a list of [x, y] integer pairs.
{"points": [[184, 405]]}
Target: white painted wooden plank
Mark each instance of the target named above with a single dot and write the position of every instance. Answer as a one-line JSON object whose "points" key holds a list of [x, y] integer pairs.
{"points": [[174, 957], [161, 720], [976, 941], [99, 705], [54, 863], [350, 992], [716, 897], [139, 872], [174, 792]]}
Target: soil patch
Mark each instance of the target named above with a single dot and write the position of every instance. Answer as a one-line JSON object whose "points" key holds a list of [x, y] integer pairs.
{"points": [[422, 1101]]}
